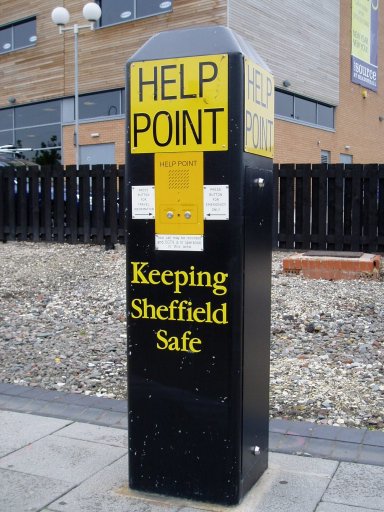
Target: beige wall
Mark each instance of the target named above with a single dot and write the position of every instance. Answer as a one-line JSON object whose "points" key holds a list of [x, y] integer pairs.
{"points": [[46, 70], [311, 31], [299, 41], [357, 119], [34, 73]]}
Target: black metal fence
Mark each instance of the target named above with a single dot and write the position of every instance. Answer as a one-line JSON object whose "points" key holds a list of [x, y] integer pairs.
{"points": [[324, 207], [329, 207]]}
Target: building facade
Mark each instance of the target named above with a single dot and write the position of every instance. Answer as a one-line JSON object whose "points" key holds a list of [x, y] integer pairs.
{"points": [[320, 114]]}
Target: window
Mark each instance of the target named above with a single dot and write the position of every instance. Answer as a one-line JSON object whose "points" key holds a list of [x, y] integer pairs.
{"points": [[37, 114], [325, 157], [303, 110], [283, 104], [6, 138], [325, 115], [6, 119], [120, 11], [101, 104], [38, 137], [36, 126], [345, 158], [18, 35]]}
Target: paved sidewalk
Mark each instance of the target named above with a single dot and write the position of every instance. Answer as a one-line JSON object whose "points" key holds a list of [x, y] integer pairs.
{"points": [[62, 452]]}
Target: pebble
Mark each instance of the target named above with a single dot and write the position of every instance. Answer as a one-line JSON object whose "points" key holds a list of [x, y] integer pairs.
{"points": [[62, 327]]}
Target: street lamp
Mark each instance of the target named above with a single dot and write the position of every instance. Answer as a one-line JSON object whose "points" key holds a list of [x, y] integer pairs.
{"points": [[60, 16]]}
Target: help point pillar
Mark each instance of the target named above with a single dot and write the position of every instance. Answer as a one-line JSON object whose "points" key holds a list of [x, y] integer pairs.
{"points": [[199, 194]]}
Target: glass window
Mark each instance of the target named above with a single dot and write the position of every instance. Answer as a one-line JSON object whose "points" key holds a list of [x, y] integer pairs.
{"points": [[38, 113], [102, 104], [346, 158], [116, 11], [325, 115], [305, 110], [6, 40], [283, 104], [18, 35], [151, 7], [24, 34], [6, 119], [119, 11], [325, 156], [38, 137], [123, 101], [6, 137], [301, 109]]}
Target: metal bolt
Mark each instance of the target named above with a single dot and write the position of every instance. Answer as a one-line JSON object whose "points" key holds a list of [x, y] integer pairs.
{"points": [[259, 182], [170, 215], [187, 215]]}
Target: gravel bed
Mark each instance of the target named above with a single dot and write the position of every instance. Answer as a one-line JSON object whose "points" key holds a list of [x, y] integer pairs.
{"points": [[62, 326]]}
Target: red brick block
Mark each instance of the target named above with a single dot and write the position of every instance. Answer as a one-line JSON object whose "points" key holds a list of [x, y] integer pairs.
{"points": [[333, 267]]}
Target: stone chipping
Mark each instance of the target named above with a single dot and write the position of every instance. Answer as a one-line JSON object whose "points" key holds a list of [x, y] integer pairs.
{"points": [[63, 327]]}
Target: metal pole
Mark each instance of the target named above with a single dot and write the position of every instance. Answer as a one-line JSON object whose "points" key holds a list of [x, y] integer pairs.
{"points": [[76, 134]]}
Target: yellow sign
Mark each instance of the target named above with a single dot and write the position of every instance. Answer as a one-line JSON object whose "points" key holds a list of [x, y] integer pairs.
{"points": [[179, 193], [259, 110], [361, 29], [179, 105]]}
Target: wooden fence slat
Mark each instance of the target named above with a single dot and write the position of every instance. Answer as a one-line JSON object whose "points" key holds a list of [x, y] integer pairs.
{"points": [[71, 204], [46, 203], [275, 218], [59, 212], [370, 210], [357, 197], [320, 171], [85, 204], [121, 223], [10, 211], [97, 203], [286, 209], [22, 203], [110, 206], [3, 236], [33, 194], [380, 210], [338, 207]]}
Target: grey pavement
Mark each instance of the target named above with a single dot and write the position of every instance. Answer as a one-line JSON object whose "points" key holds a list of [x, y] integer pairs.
{"points": [[68, 453]]}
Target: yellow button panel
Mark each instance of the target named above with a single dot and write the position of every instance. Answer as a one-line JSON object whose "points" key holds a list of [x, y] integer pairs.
{"points": [[179, 180]]}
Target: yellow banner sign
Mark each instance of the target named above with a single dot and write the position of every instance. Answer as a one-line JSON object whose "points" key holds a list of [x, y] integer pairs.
{"points": [[259, 110], [179, 105]]}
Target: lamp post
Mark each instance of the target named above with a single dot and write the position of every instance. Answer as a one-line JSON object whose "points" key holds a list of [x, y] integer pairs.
{"points": [[60, 16]]}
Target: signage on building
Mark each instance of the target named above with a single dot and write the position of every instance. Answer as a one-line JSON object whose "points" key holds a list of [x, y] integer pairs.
{"points": [[179, 104], [364, 71], [259, 110]]}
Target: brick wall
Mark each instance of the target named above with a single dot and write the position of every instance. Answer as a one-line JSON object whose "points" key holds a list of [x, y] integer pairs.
{"points": [[357, 119], [109, 132]]}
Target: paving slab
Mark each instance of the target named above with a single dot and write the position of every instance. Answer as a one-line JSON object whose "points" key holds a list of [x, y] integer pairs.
{"points": [[331, 507], [70, 460], [357, 485], [108, 492], [21, 492], [17, 430], [290, 484], [96, 434]]}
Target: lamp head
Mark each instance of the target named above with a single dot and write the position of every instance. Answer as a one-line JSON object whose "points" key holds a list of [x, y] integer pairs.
{"points": [[91, 12], [60, 16]]}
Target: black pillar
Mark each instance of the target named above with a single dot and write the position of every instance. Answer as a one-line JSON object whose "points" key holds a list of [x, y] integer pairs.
{"points": [[199, 196]]}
